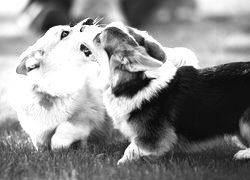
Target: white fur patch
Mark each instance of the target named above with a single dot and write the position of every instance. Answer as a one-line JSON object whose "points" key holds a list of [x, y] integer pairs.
{"points": [[242, 154], [181, 56], [68, 132], [132, 152], [66, 74]]}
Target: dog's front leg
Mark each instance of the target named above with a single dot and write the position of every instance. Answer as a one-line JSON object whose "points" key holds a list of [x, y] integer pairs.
{"points": [[133, 152], [67, 133]]}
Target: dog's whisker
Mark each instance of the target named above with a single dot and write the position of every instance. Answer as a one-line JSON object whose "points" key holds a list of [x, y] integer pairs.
{"points": [[97, 20]]}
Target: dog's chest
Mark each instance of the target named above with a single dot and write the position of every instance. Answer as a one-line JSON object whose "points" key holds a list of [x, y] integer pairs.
{"points": [[119, 111], [44, 112]]}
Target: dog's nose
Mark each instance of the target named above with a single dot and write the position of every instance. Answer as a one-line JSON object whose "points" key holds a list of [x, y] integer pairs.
{"points": [[88, 21]]}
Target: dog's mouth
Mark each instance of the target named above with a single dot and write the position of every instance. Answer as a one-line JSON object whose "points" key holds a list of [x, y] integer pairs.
{"points": [[85, 50]]}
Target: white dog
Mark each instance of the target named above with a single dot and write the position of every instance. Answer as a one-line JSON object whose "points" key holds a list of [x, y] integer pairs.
{"points": [[55, 93]]}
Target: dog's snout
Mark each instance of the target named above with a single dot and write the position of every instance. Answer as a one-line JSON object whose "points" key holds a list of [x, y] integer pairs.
{"points": [[88, 21]]}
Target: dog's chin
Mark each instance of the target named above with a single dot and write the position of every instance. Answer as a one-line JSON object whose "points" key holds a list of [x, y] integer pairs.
{"points": [[57, 84]]}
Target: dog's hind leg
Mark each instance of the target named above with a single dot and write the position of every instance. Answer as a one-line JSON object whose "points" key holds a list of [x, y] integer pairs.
{"points": [[244, 136]]}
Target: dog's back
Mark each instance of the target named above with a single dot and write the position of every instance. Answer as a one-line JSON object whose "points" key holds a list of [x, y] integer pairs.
{"points": [[209, 102]]}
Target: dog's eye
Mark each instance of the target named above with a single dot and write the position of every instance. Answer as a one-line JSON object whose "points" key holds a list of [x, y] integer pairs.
{"points": [[64, 34], [86, 50]]}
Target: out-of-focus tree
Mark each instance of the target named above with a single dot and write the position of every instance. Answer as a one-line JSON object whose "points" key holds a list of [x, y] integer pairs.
{"points": [[44, 14], [110, 10], [138, 12]]}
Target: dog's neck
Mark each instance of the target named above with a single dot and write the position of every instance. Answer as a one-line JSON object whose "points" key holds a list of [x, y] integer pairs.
{"points": [[149, 86], [126, 84]]}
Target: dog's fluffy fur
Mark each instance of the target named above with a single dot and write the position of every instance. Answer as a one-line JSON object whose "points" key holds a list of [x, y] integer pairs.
{"points": [[57, 96], [55, 93], [159, 107]]}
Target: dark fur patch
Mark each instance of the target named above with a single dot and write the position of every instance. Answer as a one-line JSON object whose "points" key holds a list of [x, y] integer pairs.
{"points": [[47, 101], [129, 84], [114, 38]]}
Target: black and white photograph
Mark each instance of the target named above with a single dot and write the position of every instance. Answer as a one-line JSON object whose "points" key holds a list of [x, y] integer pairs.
{"points": [[125, 89]]}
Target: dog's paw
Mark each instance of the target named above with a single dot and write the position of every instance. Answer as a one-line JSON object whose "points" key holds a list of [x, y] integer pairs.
{"points": [[128, 157], [242, 154], [123, 160], [58, 142], [132, 153]]}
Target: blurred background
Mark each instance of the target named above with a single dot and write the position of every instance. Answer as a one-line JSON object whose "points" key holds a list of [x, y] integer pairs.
{"points": [[218, 31]]}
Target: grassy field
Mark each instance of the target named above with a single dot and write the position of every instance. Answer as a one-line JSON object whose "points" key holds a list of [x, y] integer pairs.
{"points": [[214, 41], [19, 160]]}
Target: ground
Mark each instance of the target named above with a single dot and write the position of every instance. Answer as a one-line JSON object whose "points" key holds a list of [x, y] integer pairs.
{"points": [[215, 41], [19, 160]]}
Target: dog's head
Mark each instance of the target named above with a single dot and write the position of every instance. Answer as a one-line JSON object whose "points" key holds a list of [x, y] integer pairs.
{"points": [[58, 62], [118, 51]]}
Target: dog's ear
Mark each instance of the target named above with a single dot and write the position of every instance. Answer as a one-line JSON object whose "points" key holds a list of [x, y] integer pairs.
{"points": [[29, 62], [135, 61], [153, 47]]}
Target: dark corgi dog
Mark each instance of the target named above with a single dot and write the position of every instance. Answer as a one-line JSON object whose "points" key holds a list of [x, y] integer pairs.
{"points": [[159, 107]]}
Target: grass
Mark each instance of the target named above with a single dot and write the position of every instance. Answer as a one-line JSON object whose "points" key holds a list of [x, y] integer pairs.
{"points": [[214, 41], [19, 160]]}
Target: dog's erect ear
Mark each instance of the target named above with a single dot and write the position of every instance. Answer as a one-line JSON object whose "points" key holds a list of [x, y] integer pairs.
{"points": [[21, 68], [152, 46], [136, 61]]}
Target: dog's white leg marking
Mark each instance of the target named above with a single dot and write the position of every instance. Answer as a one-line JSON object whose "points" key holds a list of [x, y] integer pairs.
{"points": [[34, 141], [245, 133], [242, 154], [66, 133], [133, 152]]}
